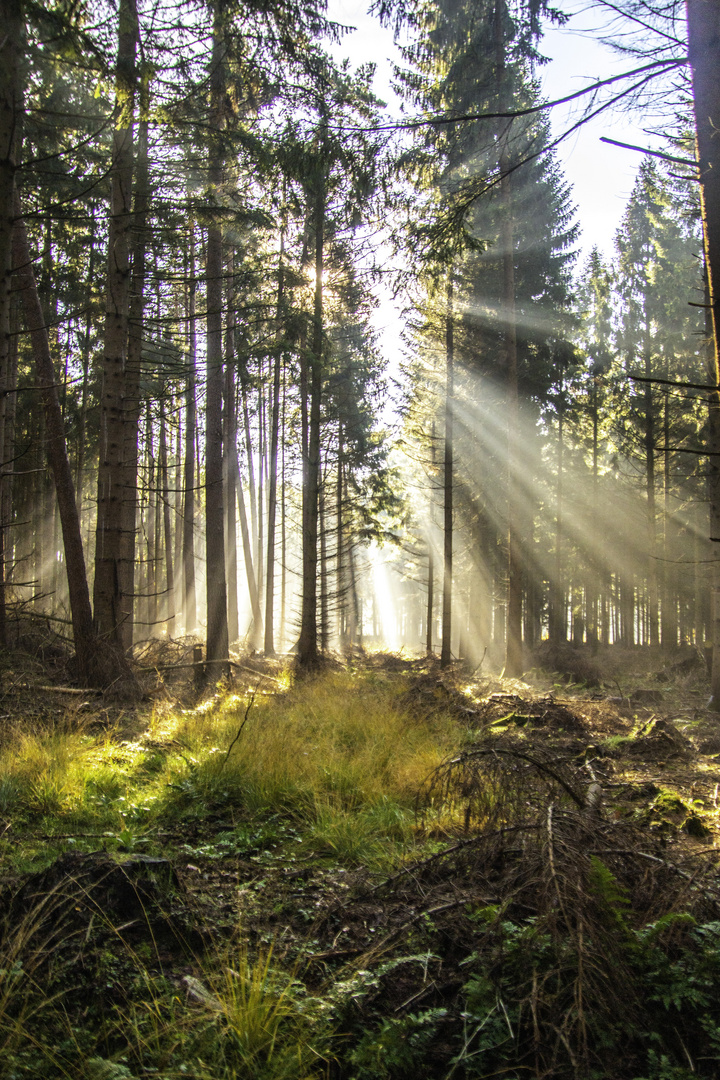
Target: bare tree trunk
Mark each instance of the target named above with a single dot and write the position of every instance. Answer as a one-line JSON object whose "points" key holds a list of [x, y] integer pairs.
{"points": [[112, 609], [169, 604], [82, 420], [513, 629], [324, 584], [446, 645], [188, 557], [11, 113], [217, 621], [256, 629], [269, 644], [230, 439], [703, 21], [307, 655], [283, 532], [132, 401], [558, 612], [340, 528]]}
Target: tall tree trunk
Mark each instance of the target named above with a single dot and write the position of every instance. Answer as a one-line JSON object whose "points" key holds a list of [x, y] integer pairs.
{"points": [[703, 21], [188, 556], [217, 622], [230, 438], [307, 655], [652, 576], [11, 111], [513, 627], [269, 644], [340, 526], [668, 622], [167, 526], [558, 612], [82, 419], [256, 628], [324, 583], [713, 486], [446, 645], [112, 609], [283, 529], [431, 559], [132, 401]]}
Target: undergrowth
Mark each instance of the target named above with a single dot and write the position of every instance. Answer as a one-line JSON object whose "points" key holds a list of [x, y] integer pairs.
{"points": [[411, 901]]}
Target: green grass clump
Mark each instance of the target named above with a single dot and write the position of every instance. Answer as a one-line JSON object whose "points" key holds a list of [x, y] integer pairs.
{"points": [[339, 754]]}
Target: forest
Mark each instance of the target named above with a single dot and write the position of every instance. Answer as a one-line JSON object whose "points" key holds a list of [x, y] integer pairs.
{"points": [[358, 698]]}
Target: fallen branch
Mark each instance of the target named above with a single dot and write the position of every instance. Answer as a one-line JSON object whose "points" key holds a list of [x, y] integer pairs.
{"points": [[240, 729]]}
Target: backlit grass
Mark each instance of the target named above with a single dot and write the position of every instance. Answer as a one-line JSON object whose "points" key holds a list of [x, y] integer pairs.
{"points": [[339, 754]]}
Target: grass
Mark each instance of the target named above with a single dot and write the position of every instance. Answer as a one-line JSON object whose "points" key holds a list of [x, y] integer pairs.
{"points": [[325, 770], [337, 754]]}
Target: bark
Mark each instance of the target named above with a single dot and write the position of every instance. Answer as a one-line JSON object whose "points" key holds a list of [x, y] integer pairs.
{"points": [[431, 564], [133, 368], [653, 611], [446, 644], [247, 551], [513, 627], [82, 419], [713, 483], [668, 621], [703, 21], [283, 531], [307, 655], [229, 439], [269, 643], [10, 115], [188, 556], [167, 526], [113, 609], [340, 564], [324, 584], [217, 622]]}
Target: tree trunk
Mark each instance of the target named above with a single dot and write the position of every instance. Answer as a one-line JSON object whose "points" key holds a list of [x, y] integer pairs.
{"points": [[11, 110], [82, 419], [652, 575], [703, 21], [188, 556], [112, 609], [307, 655], [446, 644], [230, 438], [217, 622], [513, 628], [132, 402], [169, 604], [269, 644]]}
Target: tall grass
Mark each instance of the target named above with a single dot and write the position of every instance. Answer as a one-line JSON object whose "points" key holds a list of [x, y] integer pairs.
{"points": [[340, 754]]}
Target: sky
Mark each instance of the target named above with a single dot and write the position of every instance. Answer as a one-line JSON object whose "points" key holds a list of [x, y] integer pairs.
{"points": [[601, 176]]}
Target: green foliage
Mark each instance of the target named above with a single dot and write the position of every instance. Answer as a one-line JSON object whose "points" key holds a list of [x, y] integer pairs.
{"points": [[398, 1048]]}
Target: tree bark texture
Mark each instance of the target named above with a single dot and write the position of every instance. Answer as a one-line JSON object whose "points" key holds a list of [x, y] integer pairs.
{"points": [[308, 646], [216, 592], [269, 643], [446, 643], [113, 609]]}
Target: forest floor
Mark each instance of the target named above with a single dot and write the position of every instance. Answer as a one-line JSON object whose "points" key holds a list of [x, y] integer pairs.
{"points": [[382, 872]]}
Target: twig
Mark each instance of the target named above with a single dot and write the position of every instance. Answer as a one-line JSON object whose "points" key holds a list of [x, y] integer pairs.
{"points": [[239, 732], [64, 689]]}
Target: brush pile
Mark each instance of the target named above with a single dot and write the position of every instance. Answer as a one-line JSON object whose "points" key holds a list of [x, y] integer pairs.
{"points": [[552, 935]]}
